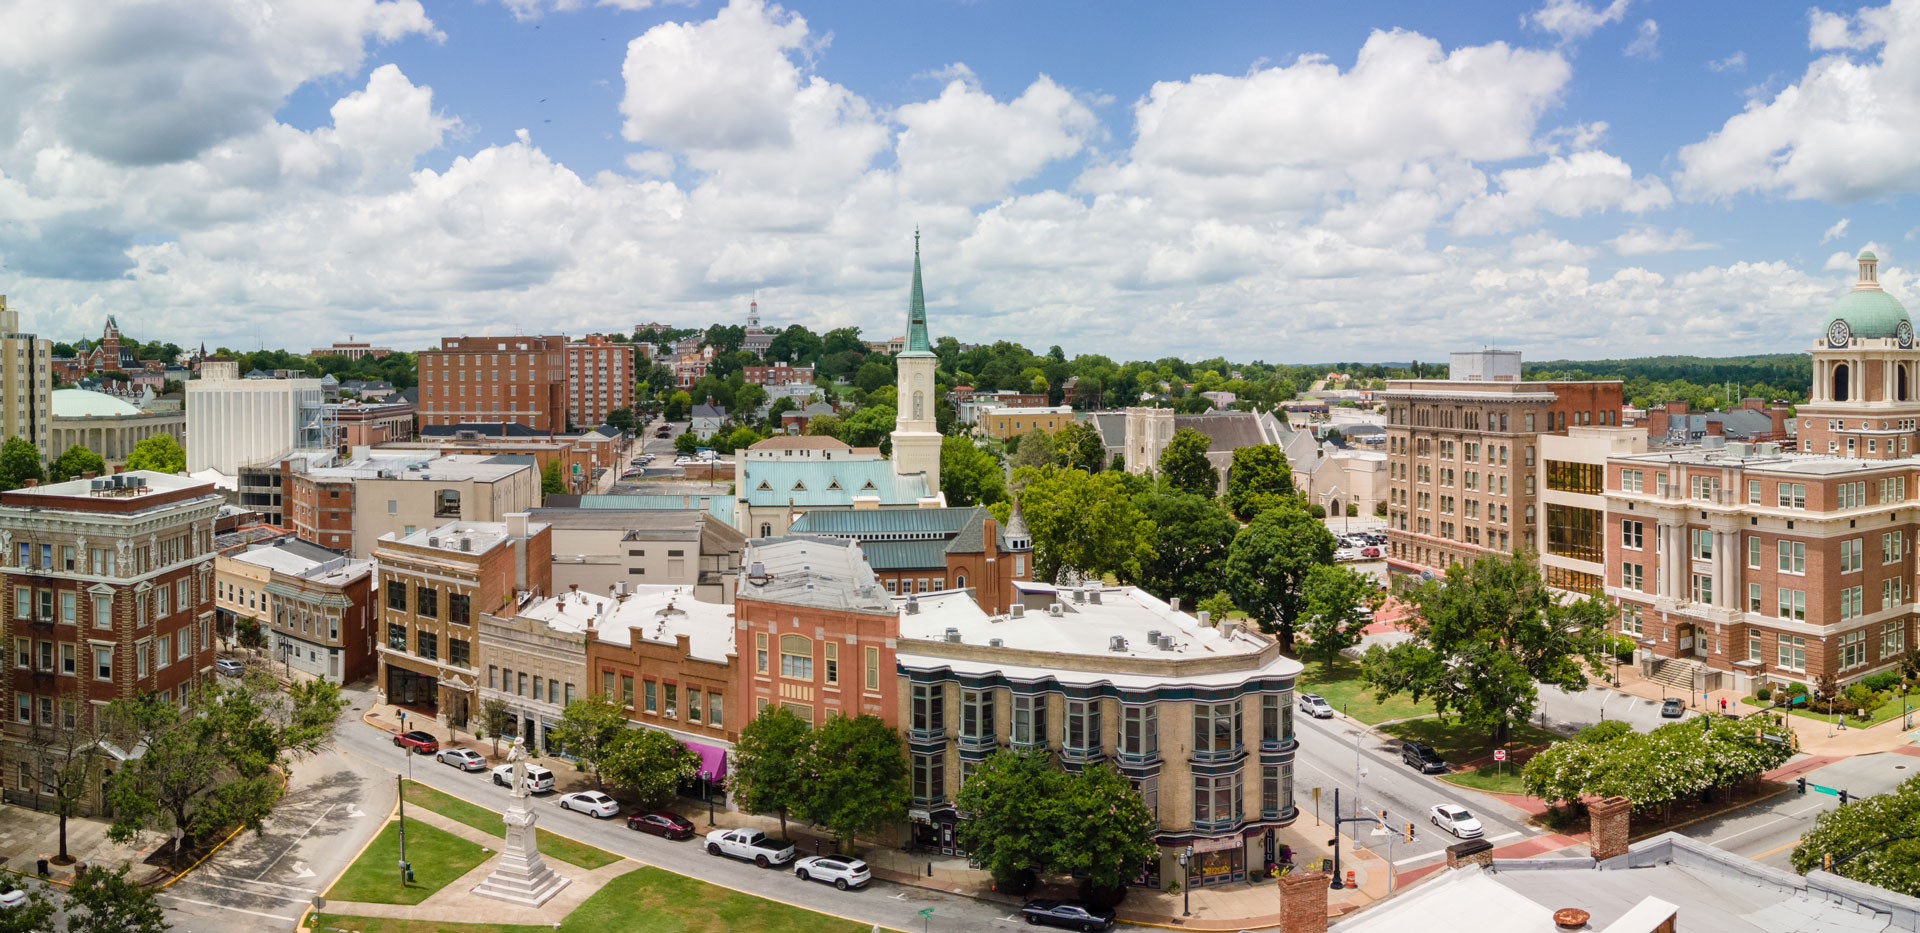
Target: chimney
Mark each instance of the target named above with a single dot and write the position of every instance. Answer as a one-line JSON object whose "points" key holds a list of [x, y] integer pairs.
{"points": [[516, 524], [1608, 838], [119, 468], [1778, 414], [32, 483], [1752, 404], [1303, 902], [1656, 422], [1205, 617], [1716, 428], [1174, 603], [990, 535]]}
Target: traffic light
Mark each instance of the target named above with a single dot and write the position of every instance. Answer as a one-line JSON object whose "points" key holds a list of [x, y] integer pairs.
{"points": [[1843, 796], [1800, 785], [1409, 832]]}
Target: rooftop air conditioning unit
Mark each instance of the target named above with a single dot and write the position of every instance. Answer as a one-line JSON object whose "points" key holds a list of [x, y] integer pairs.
{"points": [[913, 607], [1017, 611], [1166, 643], [1055, 610], [1079, 595], [466, 544], [1713, 442], [1739, 449], [433, 541], [953, 636], [1154, 635], [996, 643], [1093, 596], [1117, 643], [1768, 449]]}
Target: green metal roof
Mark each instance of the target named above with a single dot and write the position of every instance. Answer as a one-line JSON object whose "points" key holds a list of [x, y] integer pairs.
{"points": [[854, 523], [917, 342], [1868, 255], [1869, 312], [905, 555], [827, 483]]}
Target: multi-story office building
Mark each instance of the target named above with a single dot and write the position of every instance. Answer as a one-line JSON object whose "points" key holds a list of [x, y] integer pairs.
{"points": [[234, 423], [514, 380], [109, 585], [315, 606], [600, 378], [668, 659], [596, 549], [1198, 717], [26, 383], [351, 349], [349, 506], [536, 657], [1463, 454], [1736, 564], [435, 585], [1571, 476]]}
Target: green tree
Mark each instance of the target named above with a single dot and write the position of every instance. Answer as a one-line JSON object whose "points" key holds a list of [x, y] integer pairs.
{"points": [[19, 462], [159, 453], [825, 426], [1259, 479], [1104, 830], [872, 375], [496, 717], [968, 474], [102, 900], [1268, 562], [623, 419], [649, 764], [76, 462], [1339, 604], [33, 916], [747, 401], [1032, 449], [856, 777], [678, 405], [552, 481], [1217, 606], [1188, 539], [1086, 521], [587, 729], [686, 443], [1079, 446], [868, 427], [1865, 830], [1013, 797], [248, 633], [1495, 618], [767, 775], [63, 760], [1184, 463], [742, 438]]}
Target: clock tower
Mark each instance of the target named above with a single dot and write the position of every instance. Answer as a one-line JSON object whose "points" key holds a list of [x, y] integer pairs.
{"points": [[916, 435], [1865, 365]]}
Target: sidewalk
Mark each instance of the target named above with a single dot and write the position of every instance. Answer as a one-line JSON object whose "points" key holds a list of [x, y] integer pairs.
{"points": [[28, 835], [1233, 906]]}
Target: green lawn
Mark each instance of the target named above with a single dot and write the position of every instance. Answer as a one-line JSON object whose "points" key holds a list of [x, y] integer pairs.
{"points": [[1457, 742], [1892, 709], [1489, 779], [488, 821], [1342, 687], [645, 900], [439, 857]]}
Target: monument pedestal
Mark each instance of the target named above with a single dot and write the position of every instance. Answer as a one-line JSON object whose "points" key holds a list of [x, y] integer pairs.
{"points": [[521, 877]]}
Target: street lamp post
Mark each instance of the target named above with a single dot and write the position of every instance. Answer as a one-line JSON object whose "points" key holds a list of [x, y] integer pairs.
{"points": [[706, 791], [1186, 882]]}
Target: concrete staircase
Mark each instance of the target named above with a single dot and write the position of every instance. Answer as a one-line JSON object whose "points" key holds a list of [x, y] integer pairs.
{"points": [[1677, 673]]}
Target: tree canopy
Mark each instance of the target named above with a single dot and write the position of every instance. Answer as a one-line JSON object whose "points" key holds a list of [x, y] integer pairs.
{"points": [[1260, 479], [159, 453], [76, 462], [1268, 563], [1340, 602], [1184, 463], [767, 774], [970, 475], [1086, 521], [19, 462], [1866, 831], [1187, 537], [856, 776], [649, 764], [588, 729]]}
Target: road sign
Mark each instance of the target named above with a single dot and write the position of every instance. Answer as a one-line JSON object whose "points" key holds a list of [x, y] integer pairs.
{"points": [[1823, 789], [927, 912], [1499, 754]]}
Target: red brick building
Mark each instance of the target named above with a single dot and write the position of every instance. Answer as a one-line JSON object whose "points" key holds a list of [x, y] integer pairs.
{"points": [[779, 374], [668, 659], [814, 631], [514, 380], [600, 377], [930, 550]]}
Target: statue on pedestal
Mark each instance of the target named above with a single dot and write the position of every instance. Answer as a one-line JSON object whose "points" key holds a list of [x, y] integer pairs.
{"points": [[521, 877]]}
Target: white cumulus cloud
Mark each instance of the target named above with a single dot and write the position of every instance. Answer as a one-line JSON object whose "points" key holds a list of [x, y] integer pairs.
{"points": [[1573, 20], [1644, 240], [1646, 41], [1838, 230]]}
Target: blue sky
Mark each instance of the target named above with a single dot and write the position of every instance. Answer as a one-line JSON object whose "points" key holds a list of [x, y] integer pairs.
{"points": [[1288, 181]]}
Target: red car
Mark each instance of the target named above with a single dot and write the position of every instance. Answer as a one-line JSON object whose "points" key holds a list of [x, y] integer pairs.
{"points": [[422, 743], [670, 825]]}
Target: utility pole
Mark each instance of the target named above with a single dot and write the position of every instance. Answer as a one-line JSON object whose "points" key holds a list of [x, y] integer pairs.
{"points": [[401, 785]]}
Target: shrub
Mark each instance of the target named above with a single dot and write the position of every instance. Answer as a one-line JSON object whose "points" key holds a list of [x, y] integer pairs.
{"points": [[1797, 689], [1317, 510], [1886, 680], [1764, 694], [1603, 732]]}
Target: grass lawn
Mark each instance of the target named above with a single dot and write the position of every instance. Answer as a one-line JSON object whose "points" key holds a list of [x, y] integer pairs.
{"points": [[1892, 709], [488, 821], [645, 900], [438, 858], [1458, 742], [1345, 691], [1490, 779]]}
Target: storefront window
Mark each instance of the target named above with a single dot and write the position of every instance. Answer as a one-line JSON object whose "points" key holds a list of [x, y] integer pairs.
{"points": [[1220, 865]]}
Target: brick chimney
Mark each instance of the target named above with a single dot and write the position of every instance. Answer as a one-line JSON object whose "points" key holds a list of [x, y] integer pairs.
{"points": [[1753, 404], [1716, 428], [1656, 422], [1778, 414], [1608, 834], [1303, 902]]}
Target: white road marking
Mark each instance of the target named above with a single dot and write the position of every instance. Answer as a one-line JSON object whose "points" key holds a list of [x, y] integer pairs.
{"points": [[300, 869], [1723, 840], [296, 840], [255, 913], [224, 880]]}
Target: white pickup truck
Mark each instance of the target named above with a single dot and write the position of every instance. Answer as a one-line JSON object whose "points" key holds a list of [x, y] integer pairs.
{"points": [[751, 845]]}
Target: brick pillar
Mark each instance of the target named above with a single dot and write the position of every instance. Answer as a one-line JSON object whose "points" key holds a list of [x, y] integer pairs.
{"points": [[1303, 902], [1609, 827]]}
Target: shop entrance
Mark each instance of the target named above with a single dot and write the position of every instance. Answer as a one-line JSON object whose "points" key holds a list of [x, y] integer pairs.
{"points": [[1218, 861], [935, 833], [418, 691]]}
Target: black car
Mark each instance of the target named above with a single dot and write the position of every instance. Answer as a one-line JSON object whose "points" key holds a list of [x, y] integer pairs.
{"points": [[1073, 915], [1422, 757], [1672, 708]]}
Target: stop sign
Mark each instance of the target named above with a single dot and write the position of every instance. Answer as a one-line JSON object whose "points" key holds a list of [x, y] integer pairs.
{"points": [[1499, 754]]}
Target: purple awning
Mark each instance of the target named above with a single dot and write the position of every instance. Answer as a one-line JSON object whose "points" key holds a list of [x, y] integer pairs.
{"points": [[713, 761]]}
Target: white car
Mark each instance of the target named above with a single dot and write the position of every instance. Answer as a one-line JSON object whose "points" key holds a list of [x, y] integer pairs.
{"points": [[12, 897], [539, 780], [465, 759], [592, 803], [1456, 820], [1346, 554], [1313, 705], [842, 873]]}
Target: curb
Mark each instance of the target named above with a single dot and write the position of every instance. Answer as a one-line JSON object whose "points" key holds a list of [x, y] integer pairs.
{"points": [[301, 923], [285, 779]]}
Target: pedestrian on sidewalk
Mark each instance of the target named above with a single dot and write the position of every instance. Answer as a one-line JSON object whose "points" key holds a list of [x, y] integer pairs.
{"points": [[1723, 706]]}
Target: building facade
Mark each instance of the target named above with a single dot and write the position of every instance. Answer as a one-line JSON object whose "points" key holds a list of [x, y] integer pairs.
{"points": [[668, 660], [234, 422], [931, 550], [536, 661], [815, 632], [1002, 423], [109, 586], [351, 349], [916, 435], [26, 368], [1463, 454], [600, 377], [515, 380], [596, 549], [317, 607], [1198, 717], [348, 507], [106, 425], [436, 584]]}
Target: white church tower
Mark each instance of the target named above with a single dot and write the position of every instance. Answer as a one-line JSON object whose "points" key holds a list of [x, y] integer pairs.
{"points": [[916, 437]]}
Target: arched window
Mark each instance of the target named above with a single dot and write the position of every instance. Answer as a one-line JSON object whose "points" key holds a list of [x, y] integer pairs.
{"points": [[766, 530], [960, 581], [919, 405], [1840, 382], [796, 657], [1900, 382]]}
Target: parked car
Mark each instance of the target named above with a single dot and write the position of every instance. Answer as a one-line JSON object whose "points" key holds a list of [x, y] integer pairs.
{"points": [[592, 803], [1346, 554], [668, 825], [422, 743], [750, 845], [465, 759], [842, 873], [12, 897], [1314, 705], [229, 667], [539, 780], [1074, 915], [1370, 552], [1673, 708], [1456, 820], [1422, 757]]}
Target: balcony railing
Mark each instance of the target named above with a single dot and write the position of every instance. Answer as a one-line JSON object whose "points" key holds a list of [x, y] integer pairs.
{"points": [[1221, 754], [1136, 759], [1221, 825], [1080, 755]]}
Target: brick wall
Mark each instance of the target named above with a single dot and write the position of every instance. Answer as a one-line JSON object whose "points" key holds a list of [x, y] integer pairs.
{"points": [[1609, 832]]}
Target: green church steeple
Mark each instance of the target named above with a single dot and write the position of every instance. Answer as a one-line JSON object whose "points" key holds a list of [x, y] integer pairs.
{"points": [[917, 342]]}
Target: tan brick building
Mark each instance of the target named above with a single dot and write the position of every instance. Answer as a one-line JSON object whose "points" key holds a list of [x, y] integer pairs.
{"points": [[513, 380]]}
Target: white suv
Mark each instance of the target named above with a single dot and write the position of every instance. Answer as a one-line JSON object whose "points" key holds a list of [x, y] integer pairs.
{"points": [[539, 780], [1313, 705]]}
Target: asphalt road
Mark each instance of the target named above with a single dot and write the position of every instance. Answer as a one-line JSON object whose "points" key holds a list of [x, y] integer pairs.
{"points": [[1767, 832]]}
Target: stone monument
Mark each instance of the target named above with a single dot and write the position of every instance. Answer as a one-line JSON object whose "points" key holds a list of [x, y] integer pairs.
{"points": [[521, 877]]}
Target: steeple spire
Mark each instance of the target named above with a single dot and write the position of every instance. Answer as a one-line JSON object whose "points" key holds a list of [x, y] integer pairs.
{"points": [[917, 342]]}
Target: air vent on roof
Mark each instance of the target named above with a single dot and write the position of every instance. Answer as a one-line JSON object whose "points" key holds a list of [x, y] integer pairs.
{"points": [[1153, 635], [953, 635], [1079, 595], [466, 544], [433, 541], [1017, 611], [1055, 610], [1205, 617], [1093, 596], [1117, 643], [913, 607], [1227, 627], [757, 574]]}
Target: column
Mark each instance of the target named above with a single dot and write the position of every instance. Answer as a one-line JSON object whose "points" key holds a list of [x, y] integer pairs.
{"points": [[1724, 578]]}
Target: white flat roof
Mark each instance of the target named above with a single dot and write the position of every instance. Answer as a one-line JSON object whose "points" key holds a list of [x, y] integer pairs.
{"points": [[452, 467], [335, 571], [657, 614], [484, 535], [82, 488], [1806, 464]]}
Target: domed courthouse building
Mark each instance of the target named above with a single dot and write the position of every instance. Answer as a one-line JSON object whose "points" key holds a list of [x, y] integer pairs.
{"points": [[1745, 564]]}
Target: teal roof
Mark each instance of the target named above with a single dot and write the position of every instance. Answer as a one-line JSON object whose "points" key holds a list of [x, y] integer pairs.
{"points": [[884, 522], [1869, 312], [1868, 255], [827, 483], [917, 342], [718, 506], [905, 555]]}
